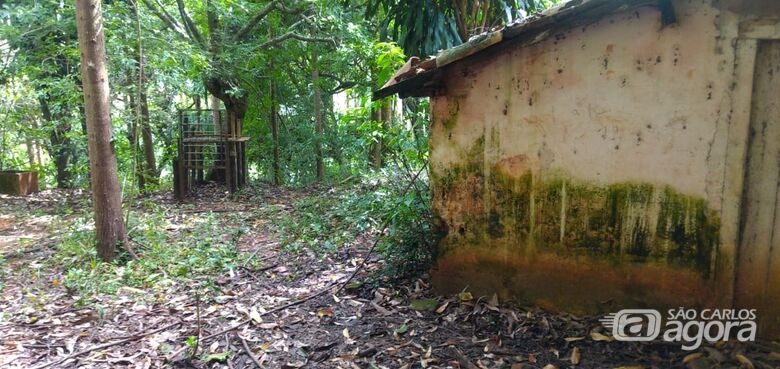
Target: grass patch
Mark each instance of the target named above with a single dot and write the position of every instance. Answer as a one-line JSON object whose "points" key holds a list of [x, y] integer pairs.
{"points": [[198, 252]]}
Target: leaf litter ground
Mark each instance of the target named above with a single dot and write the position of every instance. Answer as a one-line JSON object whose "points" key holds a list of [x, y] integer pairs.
{"points": [[370, 324]]}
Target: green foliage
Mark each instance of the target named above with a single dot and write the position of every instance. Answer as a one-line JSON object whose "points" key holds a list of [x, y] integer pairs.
{"points": [[423, 27], [338, 217], [202, 252]]}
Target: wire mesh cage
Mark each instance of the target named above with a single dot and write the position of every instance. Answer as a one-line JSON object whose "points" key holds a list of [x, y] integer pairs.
{"points": [[208, 151]]}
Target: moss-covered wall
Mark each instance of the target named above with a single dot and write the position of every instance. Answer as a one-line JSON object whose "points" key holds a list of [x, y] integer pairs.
{"points": [[627, 221]]}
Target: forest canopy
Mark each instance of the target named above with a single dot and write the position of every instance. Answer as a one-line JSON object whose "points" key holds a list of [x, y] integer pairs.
{"points": [[252, 57]]}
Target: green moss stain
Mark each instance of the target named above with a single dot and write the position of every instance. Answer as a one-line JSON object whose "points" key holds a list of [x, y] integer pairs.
{"points": [[625, 222], [472, 159], [453, 108]]}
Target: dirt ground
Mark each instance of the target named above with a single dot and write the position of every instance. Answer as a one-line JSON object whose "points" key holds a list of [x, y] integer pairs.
{"points": [[368, 324]]}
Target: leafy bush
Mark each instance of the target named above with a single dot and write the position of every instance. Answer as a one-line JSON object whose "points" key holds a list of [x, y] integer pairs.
{"points": [[334, 218]]}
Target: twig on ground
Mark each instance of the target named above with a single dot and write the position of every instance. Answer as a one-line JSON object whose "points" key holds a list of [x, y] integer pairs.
{"points": [[254, 253], [249, 352], [260, 270], [197, 313], [462, 359], [220, 210], [274, 310], [107, 345], [227, 347]]}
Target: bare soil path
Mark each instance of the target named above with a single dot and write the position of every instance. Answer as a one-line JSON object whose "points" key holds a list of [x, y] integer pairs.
{"points": [[370, 324]]}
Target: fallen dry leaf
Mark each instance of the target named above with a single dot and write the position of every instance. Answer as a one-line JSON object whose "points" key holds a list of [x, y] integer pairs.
{"points": [[745, 361], [596, 336], [575, 356]]}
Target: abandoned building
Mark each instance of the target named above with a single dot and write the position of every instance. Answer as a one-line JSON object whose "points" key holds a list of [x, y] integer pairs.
{"points": [[611, 154]]}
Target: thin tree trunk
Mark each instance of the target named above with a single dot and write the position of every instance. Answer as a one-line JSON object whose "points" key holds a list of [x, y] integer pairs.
{"points": [[132, 137], [387, 121], [150, 165], [277, 175], [315, 78], [384, 115], [150, 162], [375, 150], [30, 143], [2, 147], [109, 227], [215, 116], [199, 173], [60, 143]]}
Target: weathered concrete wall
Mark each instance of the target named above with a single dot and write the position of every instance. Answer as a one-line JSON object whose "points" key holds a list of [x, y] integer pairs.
{"points": [[600, 164]]}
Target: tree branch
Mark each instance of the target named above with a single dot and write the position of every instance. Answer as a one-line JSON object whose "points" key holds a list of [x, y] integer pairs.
{"points": [[296, 36], [342, 85], [243, 32], [254, 21], [167, 19], [165, 11], [215, 39], [190, 25]]}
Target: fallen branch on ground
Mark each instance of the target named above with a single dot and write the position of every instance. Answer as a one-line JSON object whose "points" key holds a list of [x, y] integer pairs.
{"points": [[249, 352], [107, 345], [464, 362], [274, 310]]}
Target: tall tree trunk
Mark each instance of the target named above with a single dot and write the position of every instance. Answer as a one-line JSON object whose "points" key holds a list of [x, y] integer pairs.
{"points": [[315, 80], [85, 131], [60, 143], [150, 163], [277, 175], [132, 138], [109, 226]]}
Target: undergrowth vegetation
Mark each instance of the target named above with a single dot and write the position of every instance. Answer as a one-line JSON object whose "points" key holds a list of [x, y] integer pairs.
{"points": [[180, 246], [328, 220], [201, 251]]}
